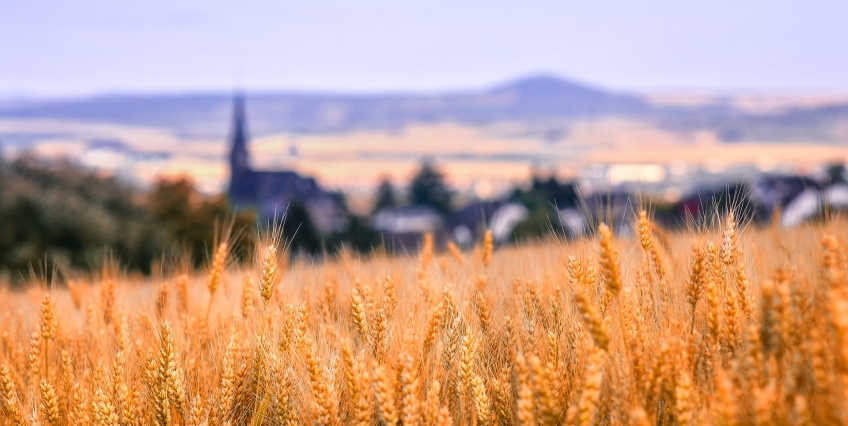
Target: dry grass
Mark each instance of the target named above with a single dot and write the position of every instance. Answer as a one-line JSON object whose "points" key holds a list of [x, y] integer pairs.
{"points": [[725, 327]]}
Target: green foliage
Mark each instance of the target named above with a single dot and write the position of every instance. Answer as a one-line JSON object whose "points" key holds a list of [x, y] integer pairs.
{"points": [[542, 220], [58, 215], [61, 216], [836, 173], [361, 236], [385, 197], [299, 232], [428, 187], [67, 217], [542, 199], [192, 219], [549, 192]]}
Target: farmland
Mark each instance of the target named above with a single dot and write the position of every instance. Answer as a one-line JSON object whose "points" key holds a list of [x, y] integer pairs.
{"points": [[718, 325]]}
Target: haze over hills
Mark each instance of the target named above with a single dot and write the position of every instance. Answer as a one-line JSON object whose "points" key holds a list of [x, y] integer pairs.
{"points": [[527, 99], [541, 99], [345, 139]]}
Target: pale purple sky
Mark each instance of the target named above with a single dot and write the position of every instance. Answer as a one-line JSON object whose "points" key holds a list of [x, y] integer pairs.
{"points": [[69, 48]]}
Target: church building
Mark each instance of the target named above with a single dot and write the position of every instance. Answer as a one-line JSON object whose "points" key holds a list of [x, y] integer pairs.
{"points": [[272, 192]]}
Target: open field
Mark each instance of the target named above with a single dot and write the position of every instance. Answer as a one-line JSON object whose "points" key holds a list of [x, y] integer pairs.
{"points": [[499, 154], [487, 140], [725, 326]]}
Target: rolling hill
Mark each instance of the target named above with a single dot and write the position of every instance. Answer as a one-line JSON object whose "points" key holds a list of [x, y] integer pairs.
{"points": [[537, 98]]}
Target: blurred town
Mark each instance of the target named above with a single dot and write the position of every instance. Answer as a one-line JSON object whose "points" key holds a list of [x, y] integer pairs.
{"points": [[552, 159]]}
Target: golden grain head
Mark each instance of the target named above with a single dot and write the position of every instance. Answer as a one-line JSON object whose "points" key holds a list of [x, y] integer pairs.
{"points": [[751, 328]]}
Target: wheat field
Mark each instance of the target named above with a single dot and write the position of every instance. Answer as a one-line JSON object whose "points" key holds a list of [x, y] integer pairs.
{"points": [[727, 325]]}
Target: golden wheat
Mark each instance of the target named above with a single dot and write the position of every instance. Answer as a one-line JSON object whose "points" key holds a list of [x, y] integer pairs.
{"points": [[752, 328]]}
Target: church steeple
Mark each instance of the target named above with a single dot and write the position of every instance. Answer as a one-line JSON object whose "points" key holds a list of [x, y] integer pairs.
{"points": [[239, 157]]}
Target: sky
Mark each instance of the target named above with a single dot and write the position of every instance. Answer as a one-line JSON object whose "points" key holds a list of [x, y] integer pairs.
{"points": [[54, 48]]}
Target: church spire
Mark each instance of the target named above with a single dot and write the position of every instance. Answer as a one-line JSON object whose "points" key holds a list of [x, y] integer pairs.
{"points": [[239, 156]]}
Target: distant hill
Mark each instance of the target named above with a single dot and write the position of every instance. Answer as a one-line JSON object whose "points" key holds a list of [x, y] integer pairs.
{"points": [[542, 99], [821, 124], [534, 98]]}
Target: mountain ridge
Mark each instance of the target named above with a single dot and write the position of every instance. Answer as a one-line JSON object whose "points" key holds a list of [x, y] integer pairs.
{"points": [[532, 99], [526, 98]]}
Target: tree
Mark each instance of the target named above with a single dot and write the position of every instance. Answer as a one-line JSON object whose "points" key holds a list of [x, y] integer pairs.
{"points": [[428, 187], [385, 197], [60, 215], [191, 218], [361, 236], [836, 173], [299, 232]]}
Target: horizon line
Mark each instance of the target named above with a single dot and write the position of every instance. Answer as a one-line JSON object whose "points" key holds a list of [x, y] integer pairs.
{"points": [[12, 97]]}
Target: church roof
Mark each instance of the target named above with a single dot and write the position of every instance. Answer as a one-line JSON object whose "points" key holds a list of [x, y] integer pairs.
{"points": [[270, 191]]}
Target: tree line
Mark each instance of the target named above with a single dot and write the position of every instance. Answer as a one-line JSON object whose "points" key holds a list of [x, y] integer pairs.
{"points": [[58, 216]]}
